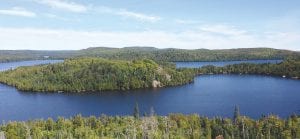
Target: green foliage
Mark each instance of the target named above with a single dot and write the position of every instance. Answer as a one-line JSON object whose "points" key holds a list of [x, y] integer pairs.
{"points": [[171, 126], [95, 74], [288, 68], [169, 54], [21, 55]]}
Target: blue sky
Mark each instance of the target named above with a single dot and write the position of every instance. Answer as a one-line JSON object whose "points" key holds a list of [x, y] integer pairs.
{"points": [[188, 24]]}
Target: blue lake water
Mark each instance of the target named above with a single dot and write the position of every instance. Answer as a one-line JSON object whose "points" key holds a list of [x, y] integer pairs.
{"points": [[221, 63], [13, 65], [209, 95]]}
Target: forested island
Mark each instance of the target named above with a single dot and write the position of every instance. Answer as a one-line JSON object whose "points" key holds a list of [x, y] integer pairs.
{"points": [[168, 54], [156, 127], [288, 68], [96, 74]]}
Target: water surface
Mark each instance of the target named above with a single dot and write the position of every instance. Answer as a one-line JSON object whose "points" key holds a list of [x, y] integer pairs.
{"points": [[209, 95], [221, 63], [13, 65]]}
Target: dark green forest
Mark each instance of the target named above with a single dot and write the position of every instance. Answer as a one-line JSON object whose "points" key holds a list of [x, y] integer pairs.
{"points": [[171, 54], [173, 126], [168, 54], [105, 71], [96, 74], [288, 68]]}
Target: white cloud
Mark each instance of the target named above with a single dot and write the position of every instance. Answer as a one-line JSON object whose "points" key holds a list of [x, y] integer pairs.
{"points": [[17, 11], [285, 40], [31, 38], [222, 29], [53, 16], [80, 8], [64, 5], [127, 14], [183, 21], [138, 16]]}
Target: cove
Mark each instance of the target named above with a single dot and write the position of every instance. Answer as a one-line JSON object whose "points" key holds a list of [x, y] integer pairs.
{"points": [[208, 95]]}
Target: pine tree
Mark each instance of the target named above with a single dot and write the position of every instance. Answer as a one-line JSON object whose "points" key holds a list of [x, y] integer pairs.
{"points": [[236, 114], [136, 111]]}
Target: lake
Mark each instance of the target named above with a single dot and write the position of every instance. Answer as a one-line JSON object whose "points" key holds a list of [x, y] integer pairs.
{"points": [[209, 95], [221, 63], [13, 65]]}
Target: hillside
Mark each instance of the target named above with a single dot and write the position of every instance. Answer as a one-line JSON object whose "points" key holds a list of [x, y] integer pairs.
{"points": [[168, 54], [95, 74], [171, 54]]}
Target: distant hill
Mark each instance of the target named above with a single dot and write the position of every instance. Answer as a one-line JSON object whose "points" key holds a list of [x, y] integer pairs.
{"points": [[20, 55], [171, 54], [168, 54]]}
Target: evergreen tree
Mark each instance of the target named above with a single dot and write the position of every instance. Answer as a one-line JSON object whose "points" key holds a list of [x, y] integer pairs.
{"points": [[171, 126], [95, 74], [236, 114], [136, 111]]}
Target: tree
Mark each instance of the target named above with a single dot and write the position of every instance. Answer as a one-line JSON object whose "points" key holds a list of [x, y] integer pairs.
{"points": [[236, 114], [136, 111], [171, 126], [152, 112], [95, 74]]}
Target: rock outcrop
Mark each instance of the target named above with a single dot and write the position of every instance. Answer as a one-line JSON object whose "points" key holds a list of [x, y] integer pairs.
{"points": [[156, 84]]}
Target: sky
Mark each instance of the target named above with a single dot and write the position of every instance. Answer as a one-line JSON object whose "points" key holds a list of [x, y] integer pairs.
{"points": [[185, 24]]}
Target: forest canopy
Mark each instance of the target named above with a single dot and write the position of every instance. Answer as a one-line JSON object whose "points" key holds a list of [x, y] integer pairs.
{"points": [[157, 127], [288, 68], [95, 74], [168, 54]]}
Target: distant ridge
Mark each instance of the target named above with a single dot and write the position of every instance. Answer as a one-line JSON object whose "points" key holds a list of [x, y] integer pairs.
{"points": [[173, 54], [164, 54]]}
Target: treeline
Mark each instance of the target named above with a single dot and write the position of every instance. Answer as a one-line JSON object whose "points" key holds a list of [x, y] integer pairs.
{"points": [[171, 54], [177, 126], [288, 68], [21, 55], [168, 54], [95, 74]]}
